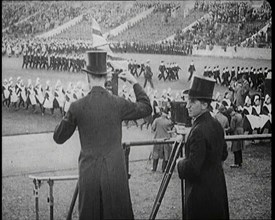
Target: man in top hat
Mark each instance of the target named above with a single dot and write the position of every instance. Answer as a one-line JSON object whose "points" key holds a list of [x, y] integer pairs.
{"points": [[205, 150], [103, 181]]}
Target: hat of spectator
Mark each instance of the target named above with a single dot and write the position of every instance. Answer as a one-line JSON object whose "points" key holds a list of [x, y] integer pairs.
{"points": [[247, 100], [70, 86], [79, 85], [37, 81], [256, 97], [267, 98], [29, 82], [96, 63], [230, 110], [164, 110], [58, 83], [239, 108], [222, 108], [202, 88], [268, 76], [217, 96], [184, 92]]}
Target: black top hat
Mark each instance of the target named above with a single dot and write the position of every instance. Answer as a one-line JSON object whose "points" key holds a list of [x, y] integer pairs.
{"points": [[96, 62], [202, 88]]}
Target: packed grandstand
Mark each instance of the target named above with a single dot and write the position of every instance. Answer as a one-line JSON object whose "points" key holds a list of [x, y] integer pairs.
{"points": [[140, 26]]}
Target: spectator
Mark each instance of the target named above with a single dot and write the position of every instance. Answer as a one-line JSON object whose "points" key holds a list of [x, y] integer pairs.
{"points": [[103, 183], [205, 149], [236, 128], [162, 127]]}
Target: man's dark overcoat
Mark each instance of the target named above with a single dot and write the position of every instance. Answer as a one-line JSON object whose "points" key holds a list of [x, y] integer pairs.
{"points": [[103, 181], [205, 186]]}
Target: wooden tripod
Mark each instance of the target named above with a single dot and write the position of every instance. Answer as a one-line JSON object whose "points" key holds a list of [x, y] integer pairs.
{"points": [[176, 152]]}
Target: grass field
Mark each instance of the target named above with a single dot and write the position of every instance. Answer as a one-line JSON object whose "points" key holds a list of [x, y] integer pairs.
{"points": [[249, 188]]}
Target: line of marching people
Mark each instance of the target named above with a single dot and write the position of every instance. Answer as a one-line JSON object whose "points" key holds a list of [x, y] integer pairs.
{"points": [[55, 61], [38, 97], [255, 76], [168, 71]]}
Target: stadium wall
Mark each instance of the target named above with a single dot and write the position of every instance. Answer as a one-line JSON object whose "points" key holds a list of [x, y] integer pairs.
{"points": [[231, 52]]}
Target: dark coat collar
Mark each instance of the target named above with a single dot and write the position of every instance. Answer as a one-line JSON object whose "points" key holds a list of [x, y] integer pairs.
{"points": [[98, 89], [202, 117]]}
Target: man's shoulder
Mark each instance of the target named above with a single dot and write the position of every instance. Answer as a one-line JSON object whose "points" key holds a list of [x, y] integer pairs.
{"points": [[78, 103]]}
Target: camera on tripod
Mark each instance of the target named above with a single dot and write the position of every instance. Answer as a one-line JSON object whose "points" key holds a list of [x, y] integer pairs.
{"points": [[179, 113]]}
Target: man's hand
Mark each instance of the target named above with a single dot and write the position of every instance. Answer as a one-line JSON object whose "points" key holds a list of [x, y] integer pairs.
{"points": [[179, 159], [128, 76], [179, 138]]}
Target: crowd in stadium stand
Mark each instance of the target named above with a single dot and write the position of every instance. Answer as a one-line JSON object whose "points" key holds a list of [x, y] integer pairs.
{"points": [[261, 39], [114, 14], [48, 16], [13, 13], [44, 16], [229, 23]]}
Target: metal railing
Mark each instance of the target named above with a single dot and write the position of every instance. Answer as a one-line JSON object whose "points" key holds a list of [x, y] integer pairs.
{"points": [[50, 179]]}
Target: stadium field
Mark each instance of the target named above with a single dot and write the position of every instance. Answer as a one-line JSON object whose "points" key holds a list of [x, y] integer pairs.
{"points": [[249, 188]]}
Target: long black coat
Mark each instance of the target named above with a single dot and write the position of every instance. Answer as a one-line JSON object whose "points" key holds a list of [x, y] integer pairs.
{"points": [[205, 186], [103, 181]]}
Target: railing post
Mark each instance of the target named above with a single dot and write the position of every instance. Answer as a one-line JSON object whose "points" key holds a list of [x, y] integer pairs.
{"points": [[37, 184], [51, 199]]}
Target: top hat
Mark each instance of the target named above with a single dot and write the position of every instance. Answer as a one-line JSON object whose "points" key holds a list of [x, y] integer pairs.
{"points": [[202, 88], [96, 63]]}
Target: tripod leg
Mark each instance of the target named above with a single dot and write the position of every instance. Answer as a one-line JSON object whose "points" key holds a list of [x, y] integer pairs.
{"points": [[69, 216], [166, 170], [165, 181], [182, 190]]}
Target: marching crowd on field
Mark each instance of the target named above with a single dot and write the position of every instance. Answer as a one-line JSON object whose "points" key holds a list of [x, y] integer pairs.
{"points": [[54, 61], [35, 95], [243, 94], [254, 76]]}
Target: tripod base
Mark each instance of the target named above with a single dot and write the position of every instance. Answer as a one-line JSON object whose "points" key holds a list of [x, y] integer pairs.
{"points": [[176, 151]]}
